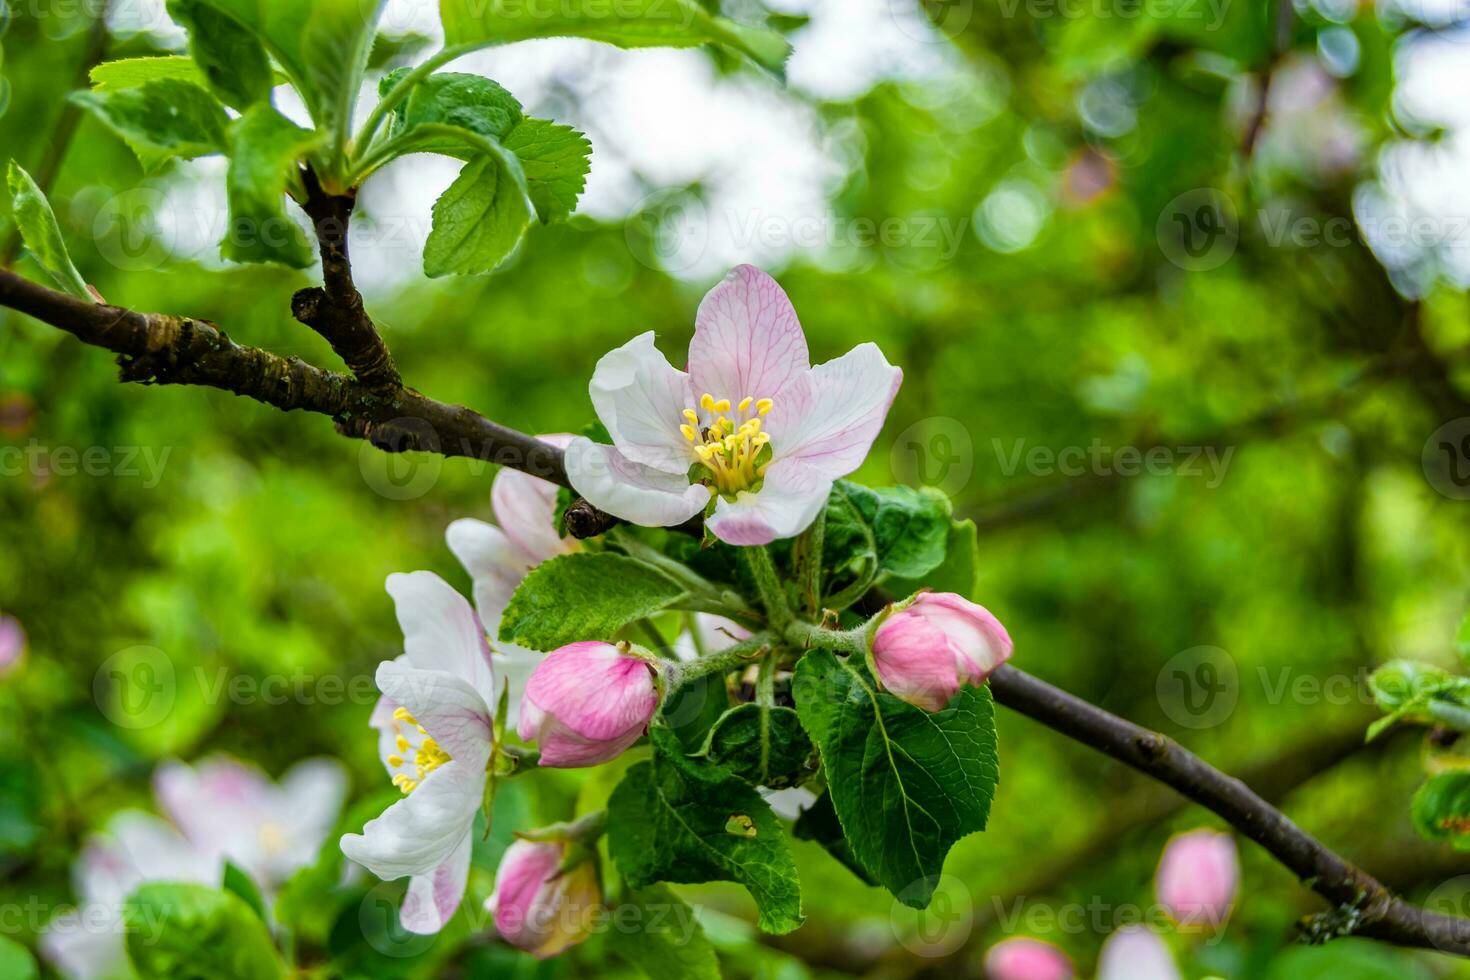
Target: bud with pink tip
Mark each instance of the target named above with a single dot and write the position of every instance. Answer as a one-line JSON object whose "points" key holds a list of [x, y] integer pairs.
{"points": [[1197, 878], [926, 650], [1027, 959], [586, 703], [540, 906]]}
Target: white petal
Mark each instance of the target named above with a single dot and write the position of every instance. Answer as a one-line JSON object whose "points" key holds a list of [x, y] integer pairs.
{"points": [[514, 666], [495, 564], [1135, 953], [441, 631], [87, 944], [433, 897], [312, 792], [747, 340], [641, 398], [138, 847], [636, 493], [788, 501], [788, 803], [830, 416], [525, 508], [420, 832], [455, 714]]}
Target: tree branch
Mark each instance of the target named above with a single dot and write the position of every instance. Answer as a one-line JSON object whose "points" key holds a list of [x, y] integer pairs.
{"points": [[1378, 913]]}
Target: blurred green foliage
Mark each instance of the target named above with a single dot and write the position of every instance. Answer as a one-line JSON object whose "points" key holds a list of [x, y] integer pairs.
{"points": [[239, 542]]}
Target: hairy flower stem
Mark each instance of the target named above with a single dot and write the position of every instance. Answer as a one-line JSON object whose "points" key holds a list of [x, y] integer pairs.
{"points": [[807, 557], [739, 655], [768, 584], [805, 636]]}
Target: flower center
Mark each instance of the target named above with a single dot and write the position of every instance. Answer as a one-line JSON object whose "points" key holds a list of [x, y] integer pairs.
{"points": [[731, 450], [411, 737]]}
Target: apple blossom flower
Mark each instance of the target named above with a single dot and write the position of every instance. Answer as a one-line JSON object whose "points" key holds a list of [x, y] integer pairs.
{"points": [[751, 427], [1135, 953], [498, 558], [538, 906], [434, 723], [586, 703], [233, 810], [1022, 958], [88, 943], [925, 650], [1197, 877], [12, 644]]}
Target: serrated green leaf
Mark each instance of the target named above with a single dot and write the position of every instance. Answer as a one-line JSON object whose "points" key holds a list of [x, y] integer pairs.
{"points": [[892, 532], [238, 882], [184, 931], [583, 597], [264, 145], [161, 119], [957, 573], [479, 219], [470, 102], [1441, 809], [819, 823], [669, 820], [764, 748], [660, 936], [627, 24], [132, 72], [556, 160], [232, 62], [906, 784], [42, 235], [17, 963]]}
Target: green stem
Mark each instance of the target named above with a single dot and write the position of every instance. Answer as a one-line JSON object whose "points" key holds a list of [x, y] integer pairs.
{"points": [[399, 92], [1451, 715], [768, 584], [808, 552], [730, 658], [804, 635]]}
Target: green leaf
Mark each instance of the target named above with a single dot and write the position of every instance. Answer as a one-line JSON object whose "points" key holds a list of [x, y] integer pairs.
{"points": [[323, 46], [693, 708], [42, 235], [161, 119], [233, 62], [906, 784], [819, 823], [660, 936], [627, 24], [1441, 809], [132, 72], [238, 882], [1462, 641], [583, 597], [767, 748], [264, 146], [185, 931], [556, 160], [470, 102], [479, 219], [957, 573], [17, 963], [673, 819], [895, 532], [1402, 684]]}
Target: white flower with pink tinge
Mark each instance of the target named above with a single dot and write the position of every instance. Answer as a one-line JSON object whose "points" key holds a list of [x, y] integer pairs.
{"points": [[1198, 875], [498, 558], [434, 725], [752, 425]]}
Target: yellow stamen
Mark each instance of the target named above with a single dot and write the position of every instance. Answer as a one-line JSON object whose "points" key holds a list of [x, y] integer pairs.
{"points": [[401, 714], [692, 416], [763, 406], [395, 761], [744, 405], [690, 432], [727, 446], [707, 402], [723, 405]]}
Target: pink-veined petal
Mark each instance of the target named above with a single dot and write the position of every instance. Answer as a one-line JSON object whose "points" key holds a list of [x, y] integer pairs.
{"points": [[495, 564], [747, 339], [636, 493], [453, 713], [433, 897], [786, 504], [829, 417], [525, 508], [640, 398], [441, 631], [597, 691], [419, 832]]}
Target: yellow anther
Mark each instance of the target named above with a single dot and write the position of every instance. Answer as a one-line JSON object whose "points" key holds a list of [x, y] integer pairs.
{"points": [[692, 416], [727, 447], [707, 402], [401, 714], [690, 432], [401, 743], [745, 403], [723, 405], [763, 406], [395, 761]]}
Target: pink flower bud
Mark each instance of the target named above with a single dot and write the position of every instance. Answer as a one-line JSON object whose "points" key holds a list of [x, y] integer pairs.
{"points": [[1026, 959], [586, 703], [1197, 878], [12, 644], [538, 907], [925, 651]]}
